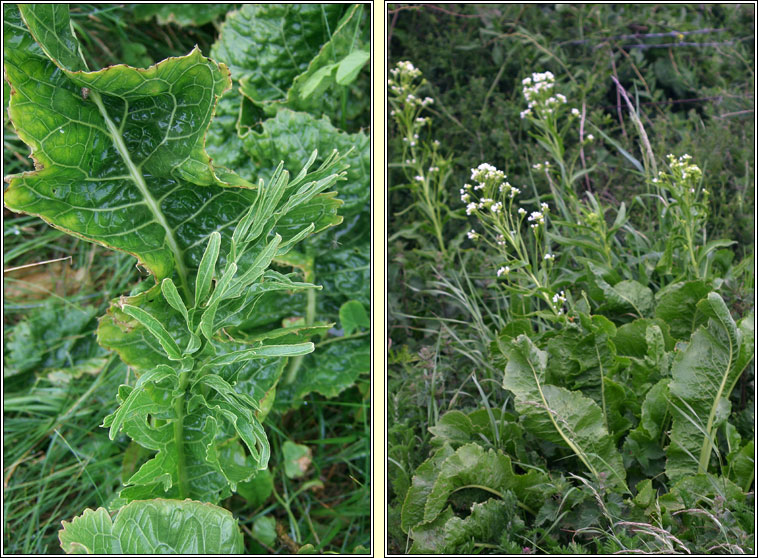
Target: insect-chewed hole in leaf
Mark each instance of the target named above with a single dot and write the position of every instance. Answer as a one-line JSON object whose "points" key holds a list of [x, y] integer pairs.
{"points": [[463, 499]]}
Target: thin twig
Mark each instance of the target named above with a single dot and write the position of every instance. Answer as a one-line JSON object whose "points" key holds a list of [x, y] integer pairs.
{"points": [[675, 45], [727, 114], [646, 36]]}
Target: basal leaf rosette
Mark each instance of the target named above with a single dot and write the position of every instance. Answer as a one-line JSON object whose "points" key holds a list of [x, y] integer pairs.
{"points": [[564, 417]]}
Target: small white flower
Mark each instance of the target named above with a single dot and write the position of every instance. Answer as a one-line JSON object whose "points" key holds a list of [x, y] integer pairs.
{"points": [[472, 234], [525, 113], [536, 216], [549, 257], [544, 207], [436, 143], [496, 207], [575, 111], [470, 208], [503, 271], [521, 211], [590, 137], [500, 239]]}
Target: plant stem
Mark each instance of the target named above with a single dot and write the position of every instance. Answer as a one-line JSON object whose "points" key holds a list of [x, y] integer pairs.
{"points": [[179, 435], [310, 316]]}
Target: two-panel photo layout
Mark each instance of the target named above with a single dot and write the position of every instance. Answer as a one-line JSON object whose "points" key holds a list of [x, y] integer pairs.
{"points": [[378, 278]]}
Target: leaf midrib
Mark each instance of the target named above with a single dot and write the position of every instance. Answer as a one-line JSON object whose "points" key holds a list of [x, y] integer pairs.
{"points": [[139, 180]]}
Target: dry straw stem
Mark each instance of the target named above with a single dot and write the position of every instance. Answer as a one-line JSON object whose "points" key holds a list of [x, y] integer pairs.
{"points": [[648, 156]]}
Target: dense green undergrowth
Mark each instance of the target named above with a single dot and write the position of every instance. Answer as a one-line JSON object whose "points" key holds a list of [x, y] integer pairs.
{"points": [[230, 369], [571, 279]]}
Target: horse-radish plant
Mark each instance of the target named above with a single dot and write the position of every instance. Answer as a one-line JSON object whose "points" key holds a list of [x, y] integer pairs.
{"points": [[424, 166], [120, 161]]}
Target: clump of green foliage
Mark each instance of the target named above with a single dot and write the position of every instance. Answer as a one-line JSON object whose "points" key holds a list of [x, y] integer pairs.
{"points": [[575, 357], [220, 333]]}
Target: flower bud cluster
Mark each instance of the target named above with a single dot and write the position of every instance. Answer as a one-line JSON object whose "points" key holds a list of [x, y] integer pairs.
{"points": [[682, 169]]}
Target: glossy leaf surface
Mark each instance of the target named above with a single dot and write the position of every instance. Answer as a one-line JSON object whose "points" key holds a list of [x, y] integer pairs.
{"points": [[124, 167], [154, 527]]}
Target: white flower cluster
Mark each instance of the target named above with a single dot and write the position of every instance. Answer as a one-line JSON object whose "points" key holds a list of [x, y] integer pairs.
{"points": [[484, 175], [485, 172], [537, 218], [405, 68], [473, 235], [402, 85], [538, 92], [558, 300], [503, 271]]}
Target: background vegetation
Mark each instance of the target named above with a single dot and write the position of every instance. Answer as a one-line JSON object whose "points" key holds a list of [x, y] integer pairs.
{"points": [[689, 72]]}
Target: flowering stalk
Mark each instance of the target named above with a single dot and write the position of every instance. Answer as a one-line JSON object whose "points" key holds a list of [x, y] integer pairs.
{"points": [[685, 206], [424, 167], [544, 111], [525, 255]]}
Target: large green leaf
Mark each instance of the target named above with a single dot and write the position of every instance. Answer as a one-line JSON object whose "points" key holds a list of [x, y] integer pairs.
{"points": [[154, 527], [703, 377], [677, 306], [412, 513], [182, 15], [122, 164], [315, 90], [581, 358], [269, 45], [292, 136], [558, 415], [331, 369], [473, 467]]}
